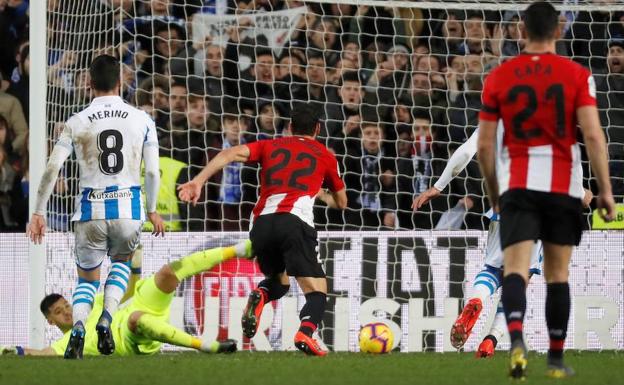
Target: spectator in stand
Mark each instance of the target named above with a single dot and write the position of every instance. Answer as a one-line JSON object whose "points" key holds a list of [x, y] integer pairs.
{"points": [[316, 74], [346, 102], [290, 68], [506, 39], [590, 34], [165, 49], [396, 118], [11, 110], [227, 187], [424, 96], [451, 35], [81, 94], [7, 185], [348, 137], [13, 30], [322, 36], [257, 82], [421, 152], [477, 34], [352, 52], [212, 72], [370, 183], [19, 87], [269, 121], [404, 174], [174, 137], [391, 77], [610, 97], [464, 110], [202, 128]]}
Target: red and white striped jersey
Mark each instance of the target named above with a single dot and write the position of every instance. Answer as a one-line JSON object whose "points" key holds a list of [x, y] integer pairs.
{"points": [[293, 170], [536, 96]]}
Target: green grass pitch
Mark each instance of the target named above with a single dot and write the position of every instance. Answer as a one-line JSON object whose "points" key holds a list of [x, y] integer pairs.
{"points": [[295, 368]]}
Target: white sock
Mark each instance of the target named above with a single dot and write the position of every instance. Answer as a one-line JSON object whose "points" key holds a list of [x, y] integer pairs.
{"points": [[499, 326], [485, 284], [116, 285], [82, 300]]}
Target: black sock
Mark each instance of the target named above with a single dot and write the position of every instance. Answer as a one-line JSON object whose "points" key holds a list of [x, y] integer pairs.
{"points": [[514, 304], [312, 312], [557, 315], [273, 289]]}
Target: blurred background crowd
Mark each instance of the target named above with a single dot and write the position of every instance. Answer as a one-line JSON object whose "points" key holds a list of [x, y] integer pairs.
{"points": [[397, 89]]}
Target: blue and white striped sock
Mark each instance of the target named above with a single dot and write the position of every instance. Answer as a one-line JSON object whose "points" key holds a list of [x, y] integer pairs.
{"points": [[486, 283], [116, 285], [82, 300]]}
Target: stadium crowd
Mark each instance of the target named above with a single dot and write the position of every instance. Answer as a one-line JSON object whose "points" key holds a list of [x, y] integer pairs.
{"points": [[398, 90]]}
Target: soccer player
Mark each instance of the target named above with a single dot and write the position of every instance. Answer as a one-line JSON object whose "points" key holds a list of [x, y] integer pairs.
{"points": [[293, 169], [142, 326], [540, 97], [487, 282], [110, 139]]}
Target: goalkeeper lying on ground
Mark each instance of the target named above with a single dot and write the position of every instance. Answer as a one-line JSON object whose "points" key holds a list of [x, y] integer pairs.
{"points": [[142, 325]]}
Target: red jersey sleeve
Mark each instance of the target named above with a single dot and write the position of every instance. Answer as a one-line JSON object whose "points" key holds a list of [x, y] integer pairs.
{"points": [[489, 102], [586, 94], [255, 150], [332, 175]]}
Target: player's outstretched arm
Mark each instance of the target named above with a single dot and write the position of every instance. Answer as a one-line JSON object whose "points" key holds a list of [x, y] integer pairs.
{"points": [[37, 225], [457, 162], [596, 146], [191, 191], [486, 149]]}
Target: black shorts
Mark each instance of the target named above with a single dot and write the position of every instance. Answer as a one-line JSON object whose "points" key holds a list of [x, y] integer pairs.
{"points": [[283, 242], [531, 215]]}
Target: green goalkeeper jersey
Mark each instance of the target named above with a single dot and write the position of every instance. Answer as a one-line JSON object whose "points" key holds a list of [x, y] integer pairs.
{"points": [[126, 342]]}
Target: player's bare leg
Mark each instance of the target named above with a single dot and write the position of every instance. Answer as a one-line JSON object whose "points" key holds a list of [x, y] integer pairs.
{"points": [[556, 262], [315, 290], [270, 289], [516, 271], [82, 303]]}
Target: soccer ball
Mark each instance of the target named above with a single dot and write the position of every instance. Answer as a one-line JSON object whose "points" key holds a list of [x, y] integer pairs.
{"points": [[376, 338]]}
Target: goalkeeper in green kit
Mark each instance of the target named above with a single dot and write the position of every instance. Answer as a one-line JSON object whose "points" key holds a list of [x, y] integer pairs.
{"points": [[142, 326]]}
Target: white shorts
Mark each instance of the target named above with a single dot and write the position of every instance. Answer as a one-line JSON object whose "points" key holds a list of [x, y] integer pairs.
{"points": [[494, 254], [98, 238]]}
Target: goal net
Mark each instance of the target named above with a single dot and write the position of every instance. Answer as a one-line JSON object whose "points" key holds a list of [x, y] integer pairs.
{"points": [[397, 84]]}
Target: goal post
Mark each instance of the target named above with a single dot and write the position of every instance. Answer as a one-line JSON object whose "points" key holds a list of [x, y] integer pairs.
{"points": [[37, 148]]}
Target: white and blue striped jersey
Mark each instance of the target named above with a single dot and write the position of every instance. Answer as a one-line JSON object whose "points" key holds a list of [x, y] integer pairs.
{"points": [[109, 138]]}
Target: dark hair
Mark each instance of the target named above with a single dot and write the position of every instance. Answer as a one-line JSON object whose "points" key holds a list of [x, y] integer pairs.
{"points": [[231, 111], [304, 119], [540, 21], [421, 113], [350, 76], [48, 301], [104, 71], [263, 51], [312, 53]]}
